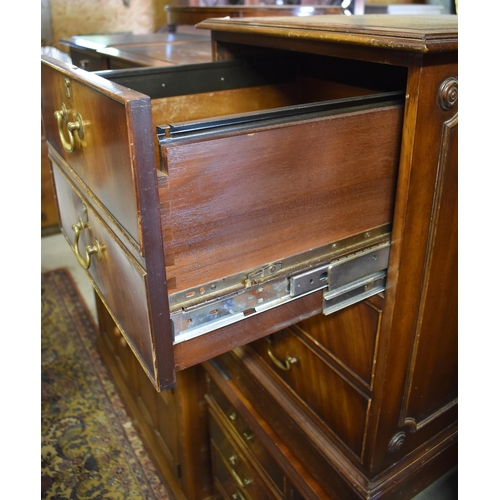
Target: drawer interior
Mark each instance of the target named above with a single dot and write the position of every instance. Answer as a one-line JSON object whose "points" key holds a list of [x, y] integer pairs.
{"points": [[222, 88], [260, 161]]}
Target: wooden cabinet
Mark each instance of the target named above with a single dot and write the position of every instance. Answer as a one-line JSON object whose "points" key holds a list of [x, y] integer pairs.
{"points": [[249, 460], [173, 424], [175, 231], [288, 211], [370, 400], [316, 362]]}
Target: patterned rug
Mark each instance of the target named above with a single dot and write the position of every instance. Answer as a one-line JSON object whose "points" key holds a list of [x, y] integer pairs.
{"points": [[90, 450]]}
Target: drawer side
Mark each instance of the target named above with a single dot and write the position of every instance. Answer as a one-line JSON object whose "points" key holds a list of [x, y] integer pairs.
{"points": [[236, 202]]}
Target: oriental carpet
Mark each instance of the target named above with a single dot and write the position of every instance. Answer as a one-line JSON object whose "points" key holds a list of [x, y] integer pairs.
{"points": [[90, 449]]}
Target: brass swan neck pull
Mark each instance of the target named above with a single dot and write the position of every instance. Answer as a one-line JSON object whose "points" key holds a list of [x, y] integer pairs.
{"points": [[289, 360], [90, 250], [62, 117]]}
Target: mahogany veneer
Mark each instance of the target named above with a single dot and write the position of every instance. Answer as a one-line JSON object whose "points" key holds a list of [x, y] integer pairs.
{"points": [[363, 401]]}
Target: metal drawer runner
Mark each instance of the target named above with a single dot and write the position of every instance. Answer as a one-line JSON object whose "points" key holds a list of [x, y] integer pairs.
{"points": [[347, 271]]}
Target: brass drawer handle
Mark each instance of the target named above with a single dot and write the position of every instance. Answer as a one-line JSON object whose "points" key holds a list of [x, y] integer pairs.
{"points": [[289, 360], [89, 250], [72, 127], [247, 435], [242, 482], [237, 495]]}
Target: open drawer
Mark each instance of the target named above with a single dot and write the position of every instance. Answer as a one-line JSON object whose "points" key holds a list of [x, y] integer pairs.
{"points": [[245, 197]]}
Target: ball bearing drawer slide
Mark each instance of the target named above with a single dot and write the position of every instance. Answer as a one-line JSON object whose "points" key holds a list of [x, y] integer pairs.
{"points": [[345, 280]]}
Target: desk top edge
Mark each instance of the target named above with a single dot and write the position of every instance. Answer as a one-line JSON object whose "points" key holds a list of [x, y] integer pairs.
{"points": [[411, 32]]}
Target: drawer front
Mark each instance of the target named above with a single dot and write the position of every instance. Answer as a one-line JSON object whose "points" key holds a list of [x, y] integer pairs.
{"points": [[305, 436], [238, 199], [321, 388], [117, 278], [251, 442], [231, 468], [349, 336], [104, 153], [226, 485], [116, 343], [150, 404]]}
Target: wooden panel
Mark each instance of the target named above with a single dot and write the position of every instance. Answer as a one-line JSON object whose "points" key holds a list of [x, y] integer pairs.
{"points": [[117, 278], [229, 458], [225, 102], [113, 166], [322, 389], [232, 406], [172, 423], [181, 108], [253, 327], [433, 87], [226, 484], [348, 335], [433, 386], [313, 448], [189, 395], [103, 160], [241, 201], [321, 89], [234, 420], [161, 54]]}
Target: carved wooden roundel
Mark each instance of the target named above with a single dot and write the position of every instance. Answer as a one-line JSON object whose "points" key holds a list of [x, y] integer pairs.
{"points": [[448, 93]]}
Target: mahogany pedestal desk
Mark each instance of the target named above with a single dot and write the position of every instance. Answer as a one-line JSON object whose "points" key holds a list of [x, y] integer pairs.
{"points": [[272, 237]]}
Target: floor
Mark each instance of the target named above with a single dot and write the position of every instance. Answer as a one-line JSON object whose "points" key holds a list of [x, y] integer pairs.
{"points": [[55, 253]]}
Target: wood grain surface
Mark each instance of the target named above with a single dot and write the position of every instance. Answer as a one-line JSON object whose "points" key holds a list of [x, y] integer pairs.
{"points": [[243, 200]]}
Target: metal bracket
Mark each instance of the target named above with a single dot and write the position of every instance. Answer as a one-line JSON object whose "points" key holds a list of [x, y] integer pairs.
{"points": [[260, 274], [351, 272], [353, 292]]}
